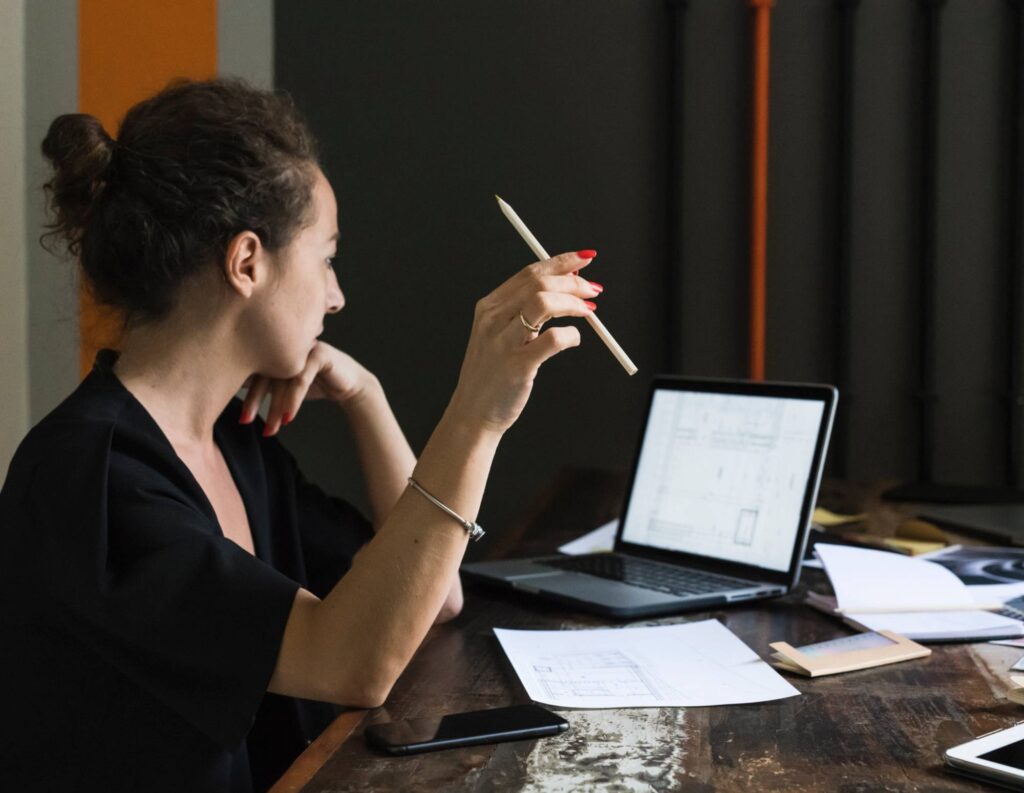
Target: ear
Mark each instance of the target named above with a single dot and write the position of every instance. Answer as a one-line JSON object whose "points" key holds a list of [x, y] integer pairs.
{"points": [[246, 263]]}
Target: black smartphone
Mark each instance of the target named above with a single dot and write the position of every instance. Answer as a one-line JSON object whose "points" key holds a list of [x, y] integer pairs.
{"points": [[465, 729]]}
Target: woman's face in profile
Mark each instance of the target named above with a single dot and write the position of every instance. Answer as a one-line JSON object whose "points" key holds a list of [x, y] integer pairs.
{"points": [[305, 290]]}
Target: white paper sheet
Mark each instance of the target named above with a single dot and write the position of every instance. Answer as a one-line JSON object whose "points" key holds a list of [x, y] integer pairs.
{"points": [[995, 593], [597, 541], [816, 563], [868, 580], [689, 665], [924, 625], [927, 625]]}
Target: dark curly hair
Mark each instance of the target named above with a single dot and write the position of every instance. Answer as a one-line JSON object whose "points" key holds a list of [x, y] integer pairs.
{"points": [[192, 167]]}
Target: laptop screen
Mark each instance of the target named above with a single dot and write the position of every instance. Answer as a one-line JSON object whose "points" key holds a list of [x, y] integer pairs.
{"points": [[724, 475]]}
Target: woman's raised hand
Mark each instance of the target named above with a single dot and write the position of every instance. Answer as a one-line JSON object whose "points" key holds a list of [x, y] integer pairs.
{"points": [[328, 374], [508, 344]]}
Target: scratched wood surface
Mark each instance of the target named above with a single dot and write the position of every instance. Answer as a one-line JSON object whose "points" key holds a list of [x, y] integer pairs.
{"points": [[879, 729]]}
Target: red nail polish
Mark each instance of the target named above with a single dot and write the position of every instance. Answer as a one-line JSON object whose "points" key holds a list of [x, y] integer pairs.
{"points": [[266, 431], [287, 418], [596, 286], [588, 254], [591, 306]]}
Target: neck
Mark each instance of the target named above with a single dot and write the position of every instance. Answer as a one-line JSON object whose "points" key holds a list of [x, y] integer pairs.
{"points": [[184, 374]]}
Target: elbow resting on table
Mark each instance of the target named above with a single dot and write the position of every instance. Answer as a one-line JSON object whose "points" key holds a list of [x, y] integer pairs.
{"points": [[367, 693], [451, 608], [367, 701]]}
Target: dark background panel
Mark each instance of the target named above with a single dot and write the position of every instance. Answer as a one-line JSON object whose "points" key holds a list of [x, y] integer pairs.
{"points": [[969, 434], [1012, 250], [625, 127], [423, 117], [715, 214], [801, 192], [879, 400]]}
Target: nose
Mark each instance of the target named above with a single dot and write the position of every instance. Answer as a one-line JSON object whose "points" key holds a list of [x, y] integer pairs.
{"points": [[335, 297]]}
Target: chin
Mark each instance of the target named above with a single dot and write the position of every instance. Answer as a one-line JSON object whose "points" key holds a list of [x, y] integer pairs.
{"points": [[284, 362], [285, 369], [298, 366]]}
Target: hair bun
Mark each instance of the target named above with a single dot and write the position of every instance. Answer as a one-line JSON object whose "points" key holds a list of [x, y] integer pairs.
{"points": [[80, 151]]}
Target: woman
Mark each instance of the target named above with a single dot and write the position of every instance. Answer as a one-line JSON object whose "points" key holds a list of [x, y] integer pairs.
{"points": [[174, 590]]}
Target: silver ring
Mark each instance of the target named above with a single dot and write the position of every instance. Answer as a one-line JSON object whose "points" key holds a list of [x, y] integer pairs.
{"points": [[535, 328]]}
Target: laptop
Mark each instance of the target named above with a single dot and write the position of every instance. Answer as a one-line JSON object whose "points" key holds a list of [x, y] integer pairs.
{"points": [[718, 508]]}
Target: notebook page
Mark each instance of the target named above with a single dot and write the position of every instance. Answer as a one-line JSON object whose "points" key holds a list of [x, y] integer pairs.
{"points": [[869, 580]]}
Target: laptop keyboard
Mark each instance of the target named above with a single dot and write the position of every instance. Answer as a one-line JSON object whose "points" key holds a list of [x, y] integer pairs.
{"points": [[1014, 609], [648, 575]]}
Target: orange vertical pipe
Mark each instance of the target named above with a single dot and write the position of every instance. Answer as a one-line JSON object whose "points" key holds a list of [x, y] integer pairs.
{"points": [[128, 50], [759, 186]]}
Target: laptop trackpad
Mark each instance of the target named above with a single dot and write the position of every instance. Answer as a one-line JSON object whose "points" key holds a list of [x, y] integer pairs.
{"points": [[596, 590]]}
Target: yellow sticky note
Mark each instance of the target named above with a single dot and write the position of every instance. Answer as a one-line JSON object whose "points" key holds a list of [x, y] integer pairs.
{"points": [[826, 517], [915, 547]]}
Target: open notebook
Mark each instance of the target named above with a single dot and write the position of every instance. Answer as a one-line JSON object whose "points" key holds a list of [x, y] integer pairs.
{"points": [[877, 590]]}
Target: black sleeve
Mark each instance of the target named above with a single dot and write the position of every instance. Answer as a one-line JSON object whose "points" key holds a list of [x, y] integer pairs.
{"points": [[145, 580], [331, 530]]}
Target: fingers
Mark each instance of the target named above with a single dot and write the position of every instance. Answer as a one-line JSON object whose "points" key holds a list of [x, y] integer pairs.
{"points": [[550, 343], [539, 307], [565, 265], [286, 398], [570, 284], [258, 387], [277, 414], [567, 262], [562, 264]]}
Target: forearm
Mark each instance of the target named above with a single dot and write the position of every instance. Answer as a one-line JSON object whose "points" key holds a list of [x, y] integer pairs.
{"points": [[387, 462], [401, 579], [384, 453]]}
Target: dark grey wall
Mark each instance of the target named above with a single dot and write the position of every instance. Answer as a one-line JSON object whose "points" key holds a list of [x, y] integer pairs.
{"points": [[596, 119], [426, 111]]}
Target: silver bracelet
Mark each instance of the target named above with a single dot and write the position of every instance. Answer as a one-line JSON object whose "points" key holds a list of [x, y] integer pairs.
{"points": [[474, 530]]}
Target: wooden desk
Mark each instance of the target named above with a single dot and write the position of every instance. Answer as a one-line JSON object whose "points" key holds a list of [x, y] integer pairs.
{"points": [[880, 729]]}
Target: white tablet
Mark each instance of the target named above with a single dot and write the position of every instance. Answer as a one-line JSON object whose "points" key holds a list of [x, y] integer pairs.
{"points": [[997, 757]]}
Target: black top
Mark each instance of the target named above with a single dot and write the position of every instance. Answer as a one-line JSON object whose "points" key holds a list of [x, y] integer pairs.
{"points": [[136, 642]]}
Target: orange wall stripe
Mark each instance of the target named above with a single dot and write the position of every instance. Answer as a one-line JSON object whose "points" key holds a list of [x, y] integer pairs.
{"points": [[759, 188], [128, 50]]}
